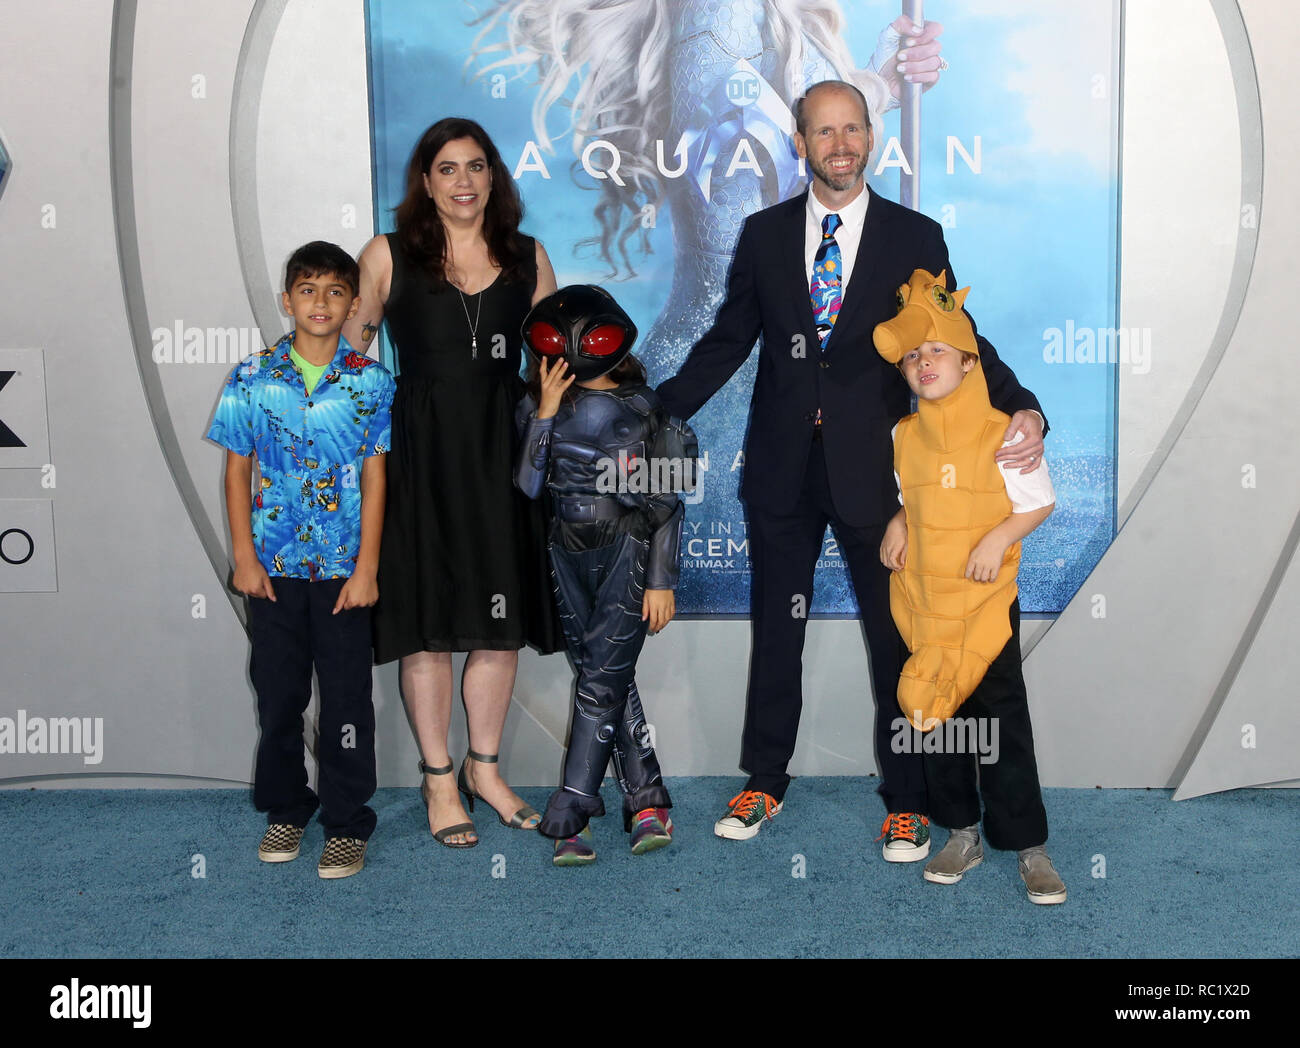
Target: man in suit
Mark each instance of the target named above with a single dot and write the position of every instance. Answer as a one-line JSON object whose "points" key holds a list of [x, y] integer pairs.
{"points": [[814, 275]]}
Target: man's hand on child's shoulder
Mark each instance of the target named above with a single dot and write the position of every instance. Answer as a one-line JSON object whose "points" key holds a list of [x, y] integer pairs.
{"points": [[1025, 453], [360, 591]]}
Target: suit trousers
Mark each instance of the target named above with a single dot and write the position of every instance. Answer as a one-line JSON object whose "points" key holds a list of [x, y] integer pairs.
{"points": [[1014, 817], [783, 551], [290, 634]]}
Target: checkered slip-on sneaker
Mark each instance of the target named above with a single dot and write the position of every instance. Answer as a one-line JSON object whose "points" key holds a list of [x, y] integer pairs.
{"points": [[343, 856], [280, 842]]}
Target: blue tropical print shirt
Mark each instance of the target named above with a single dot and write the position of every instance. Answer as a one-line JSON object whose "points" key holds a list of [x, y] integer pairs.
{"points": [[306, 516]]}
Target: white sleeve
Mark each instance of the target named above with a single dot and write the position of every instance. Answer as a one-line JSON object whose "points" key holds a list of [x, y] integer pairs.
{"points": [[898, 481], [1028, 491]]}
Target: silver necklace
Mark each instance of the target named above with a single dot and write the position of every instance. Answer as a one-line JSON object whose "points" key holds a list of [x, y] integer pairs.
{"points": [[473, 327]]}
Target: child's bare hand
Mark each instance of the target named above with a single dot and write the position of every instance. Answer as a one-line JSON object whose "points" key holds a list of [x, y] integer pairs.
{"points": [[985, 560], [253, 581], [553, 386], [360, 591], [659, 606], [893, 548]]}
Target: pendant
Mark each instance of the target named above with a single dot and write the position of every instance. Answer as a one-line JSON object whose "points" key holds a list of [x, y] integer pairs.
{"points": [[473, 348]]}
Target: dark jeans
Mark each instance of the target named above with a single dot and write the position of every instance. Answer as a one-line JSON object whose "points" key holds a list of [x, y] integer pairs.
{"points": [[784, 549], [290, 634], [1014, 817]]}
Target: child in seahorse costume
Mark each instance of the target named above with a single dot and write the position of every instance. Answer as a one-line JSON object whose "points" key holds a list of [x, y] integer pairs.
{"points": [[954, 548]]}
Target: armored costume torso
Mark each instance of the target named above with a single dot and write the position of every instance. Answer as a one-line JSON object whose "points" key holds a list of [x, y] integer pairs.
{"points": [[606, 457]]}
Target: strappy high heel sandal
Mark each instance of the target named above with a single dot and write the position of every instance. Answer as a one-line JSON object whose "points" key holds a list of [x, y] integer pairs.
{"points": [[518, 819], [448, 831]]}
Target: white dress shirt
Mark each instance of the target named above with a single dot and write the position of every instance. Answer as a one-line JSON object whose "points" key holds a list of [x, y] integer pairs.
{"points": [[852, 217]]}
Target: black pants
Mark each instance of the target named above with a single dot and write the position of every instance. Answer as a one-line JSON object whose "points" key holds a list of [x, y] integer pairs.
{"points": [[289, 635], [598, 593], [1014, 816], [784, 549]]}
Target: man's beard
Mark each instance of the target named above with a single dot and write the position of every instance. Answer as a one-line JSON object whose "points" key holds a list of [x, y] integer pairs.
{"points": [[838, 181]]}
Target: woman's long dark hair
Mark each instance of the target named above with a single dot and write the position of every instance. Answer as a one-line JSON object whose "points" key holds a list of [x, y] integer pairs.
{"points": [[419, 226], [629, 369]]}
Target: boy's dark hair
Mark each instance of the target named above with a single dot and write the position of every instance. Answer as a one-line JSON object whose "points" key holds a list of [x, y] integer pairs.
{"points": [[321, 258]]}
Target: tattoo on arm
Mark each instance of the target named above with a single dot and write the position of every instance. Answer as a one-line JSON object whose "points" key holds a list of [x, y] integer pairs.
{"points": [[368, 332]]}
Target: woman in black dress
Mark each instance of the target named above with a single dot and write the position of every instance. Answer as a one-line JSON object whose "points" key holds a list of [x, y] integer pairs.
{"points": [[463, 561]]}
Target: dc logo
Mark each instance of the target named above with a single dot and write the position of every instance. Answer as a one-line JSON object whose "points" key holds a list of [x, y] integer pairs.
{"points": [[743, 88]]}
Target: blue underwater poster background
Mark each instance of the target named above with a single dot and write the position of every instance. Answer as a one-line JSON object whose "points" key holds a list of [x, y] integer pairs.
{"points": [[682, 102]]}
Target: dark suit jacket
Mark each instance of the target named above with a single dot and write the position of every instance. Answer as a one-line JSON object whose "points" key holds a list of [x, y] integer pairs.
{"points": [[861, 397]]}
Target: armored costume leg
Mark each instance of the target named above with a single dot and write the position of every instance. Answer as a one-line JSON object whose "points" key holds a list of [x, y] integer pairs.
{"points": [[635, 763], [599, 594]]}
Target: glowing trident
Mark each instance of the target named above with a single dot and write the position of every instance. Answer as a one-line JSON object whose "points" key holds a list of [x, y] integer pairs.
{"points": [[909, 127]]}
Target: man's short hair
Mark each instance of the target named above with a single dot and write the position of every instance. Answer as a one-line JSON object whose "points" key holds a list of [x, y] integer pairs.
{"points": [[321, 258], [799, 103]]}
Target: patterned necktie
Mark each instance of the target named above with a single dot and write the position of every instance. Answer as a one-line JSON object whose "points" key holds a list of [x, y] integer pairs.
{"points": [[825, 288]]}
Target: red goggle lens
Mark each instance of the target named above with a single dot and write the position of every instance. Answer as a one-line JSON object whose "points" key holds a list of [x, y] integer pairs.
{"points": [[603, 340], [545, 339]]}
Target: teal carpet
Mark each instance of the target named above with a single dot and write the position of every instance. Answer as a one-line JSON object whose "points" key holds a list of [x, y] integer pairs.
{"points": [[110, 873]]}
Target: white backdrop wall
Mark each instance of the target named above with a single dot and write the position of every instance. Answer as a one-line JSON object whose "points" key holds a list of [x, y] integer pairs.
{"points": [[167, 157]]}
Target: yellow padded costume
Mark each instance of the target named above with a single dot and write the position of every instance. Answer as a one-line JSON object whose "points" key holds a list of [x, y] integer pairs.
{"points": [[954, 494]]}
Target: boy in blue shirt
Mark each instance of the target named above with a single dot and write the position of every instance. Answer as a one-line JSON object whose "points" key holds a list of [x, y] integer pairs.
{"points": [[314, 415]]}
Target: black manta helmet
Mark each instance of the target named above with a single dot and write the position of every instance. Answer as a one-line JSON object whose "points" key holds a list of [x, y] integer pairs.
{"points": [[583, 325]]}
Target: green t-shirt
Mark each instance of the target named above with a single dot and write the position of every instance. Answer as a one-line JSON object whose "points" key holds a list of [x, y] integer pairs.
{"points": [[311, 373]]}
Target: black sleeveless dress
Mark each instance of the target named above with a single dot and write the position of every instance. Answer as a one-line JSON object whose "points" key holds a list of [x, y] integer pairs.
{"points": [[463, 562]]}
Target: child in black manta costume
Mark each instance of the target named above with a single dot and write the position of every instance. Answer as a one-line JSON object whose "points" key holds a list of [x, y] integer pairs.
{"points": [[595, 436]]}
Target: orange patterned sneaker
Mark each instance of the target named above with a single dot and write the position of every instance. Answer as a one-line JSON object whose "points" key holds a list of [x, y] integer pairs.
{"points": [[748, 810], [906, 835]]}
